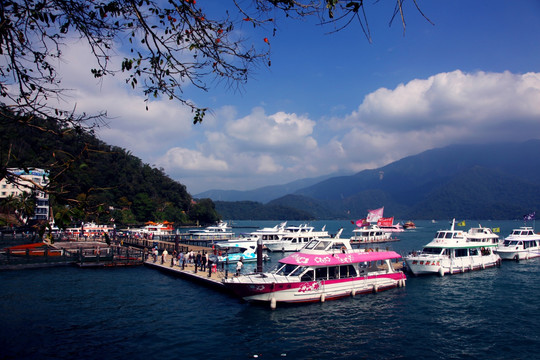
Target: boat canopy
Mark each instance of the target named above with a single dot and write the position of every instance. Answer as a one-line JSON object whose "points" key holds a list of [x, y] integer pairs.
{"points": [[337, 258]]}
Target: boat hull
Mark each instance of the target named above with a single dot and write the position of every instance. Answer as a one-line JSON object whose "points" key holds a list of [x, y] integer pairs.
{"points": [[507, 254], [421, 265], [312, 291]]}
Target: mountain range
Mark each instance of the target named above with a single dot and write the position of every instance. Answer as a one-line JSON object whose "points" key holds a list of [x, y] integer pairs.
{"points": [[473, 181]]}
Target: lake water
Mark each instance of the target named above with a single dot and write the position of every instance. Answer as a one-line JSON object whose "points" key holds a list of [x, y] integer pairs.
{"points": [[141, 313]]}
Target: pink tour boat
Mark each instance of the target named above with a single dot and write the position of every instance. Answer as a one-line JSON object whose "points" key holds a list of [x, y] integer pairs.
{"points": [[325, 269]]}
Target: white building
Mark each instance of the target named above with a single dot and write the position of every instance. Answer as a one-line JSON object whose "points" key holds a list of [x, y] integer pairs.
{"points": [[29, 182]]}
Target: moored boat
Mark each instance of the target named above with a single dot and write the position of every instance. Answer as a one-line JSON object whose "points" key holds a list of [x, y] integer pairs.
{"points": [[387, 224], [521, 244], [234, 250], [370, 234], [152, 229], [89, 230], [270, 235], [409, 225], [33, 249], [296, 237], [325, 269], [220, 231], [454, 251]]}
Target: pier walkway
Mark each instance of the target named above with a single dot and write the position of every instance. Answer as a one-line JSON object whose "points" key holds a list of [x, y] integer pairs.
{"points": [[188, 271]]}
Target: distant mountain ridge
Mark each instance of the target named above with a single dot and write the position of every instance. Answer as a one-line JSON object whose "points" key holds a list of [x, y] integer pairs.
{"points": [[263, 194], [489, 181]]}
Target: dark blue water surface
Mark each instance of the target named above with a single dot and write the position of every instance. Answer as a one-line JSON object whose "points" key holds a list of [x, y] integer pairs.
{"points": [[141, 313]]}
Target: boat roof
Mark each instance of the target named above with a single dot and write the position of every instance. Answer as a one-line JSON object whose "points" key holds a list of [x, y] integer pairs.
{"points": [[239, 243], [337, 258]]}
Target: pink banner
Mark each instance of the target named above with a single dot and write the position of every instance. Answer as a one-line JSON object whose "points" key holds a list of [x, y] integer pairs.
{"points": [[385, 221]]}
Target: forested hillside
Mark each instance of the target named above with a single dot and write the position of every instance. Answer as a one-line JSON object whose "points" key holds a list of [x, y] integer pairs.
{"points": [[93, 181]]}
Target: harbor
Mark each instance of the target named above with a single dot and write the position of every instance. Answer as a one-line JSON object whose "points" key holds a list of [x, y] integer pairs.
{"points": [[137, 312]]}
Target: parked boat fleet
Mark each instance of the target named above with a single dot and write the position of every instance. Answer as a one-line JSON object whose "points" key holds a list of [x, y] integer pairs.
{"points": [[329, 267], [323, 266]]}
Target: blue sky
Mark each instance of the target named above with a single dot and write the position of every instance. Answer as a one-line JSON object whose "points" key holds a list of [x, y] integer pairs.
{"points": [[335, 102]]}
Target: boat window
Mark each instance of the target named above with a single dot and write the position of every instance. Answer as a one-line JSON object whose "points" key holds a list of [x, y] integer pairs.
{"points": [[297, 271], [308, 276], [338, 246], [311, 244], [322, 245], [346, 271], [286, 269], [449, 235], [460, 252], [233, 250], [530, 232], [473, 252], [430, 250], [440, 235], [321, 273], [333, 272]]}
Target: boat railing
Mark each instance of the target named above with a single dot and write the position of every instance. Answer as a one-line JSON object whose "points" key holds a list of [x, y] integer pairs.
{"points": [[269, 277]]}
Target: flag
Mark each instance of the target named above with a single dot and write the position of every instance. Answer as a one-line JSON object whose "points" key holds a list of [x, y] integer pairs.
{"points": [[496, 229], [462, 223], [530, 216], [374, 215], [361, 222], [386, 221]]}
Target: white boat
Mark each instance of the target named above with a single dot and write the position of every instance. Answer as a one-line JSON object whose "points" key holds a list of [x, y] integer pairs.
{"points": [[152, 229], [325, 269], [269, 234], [234, 250], [221, 231], [370, 234], [454, 251], [387, 224], [90, 230], [521, 244], [296, 238]]}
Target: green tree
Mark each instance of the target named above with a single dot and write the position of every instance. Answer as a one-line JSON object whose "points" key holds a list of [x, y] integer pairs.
{"points": [[173, 44], [204, 211]]}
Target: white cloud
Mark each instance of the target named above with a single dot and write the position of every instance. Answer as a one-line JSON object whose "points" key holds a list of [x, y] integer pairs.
{"points": [[277, 132], [229, 151], [450, 99], [444, 109], [192, 160], [146, 133]]}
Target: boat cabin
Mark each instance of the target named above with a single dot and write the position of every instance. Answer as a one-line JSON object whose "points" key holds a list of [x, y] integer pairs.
{"points": [[522, 243], [522, 232]]}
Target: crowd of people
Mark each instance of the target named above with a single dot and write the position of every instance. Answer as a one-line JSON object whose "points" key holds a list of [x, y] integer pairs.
{"points": [[202, 261]]}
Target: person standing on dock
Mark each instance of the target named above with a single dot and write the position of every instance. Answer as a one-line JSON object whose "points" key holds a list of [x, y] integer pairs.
{"points": [[204, 259], [164, 256], [198, 259], [239, 265]]}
